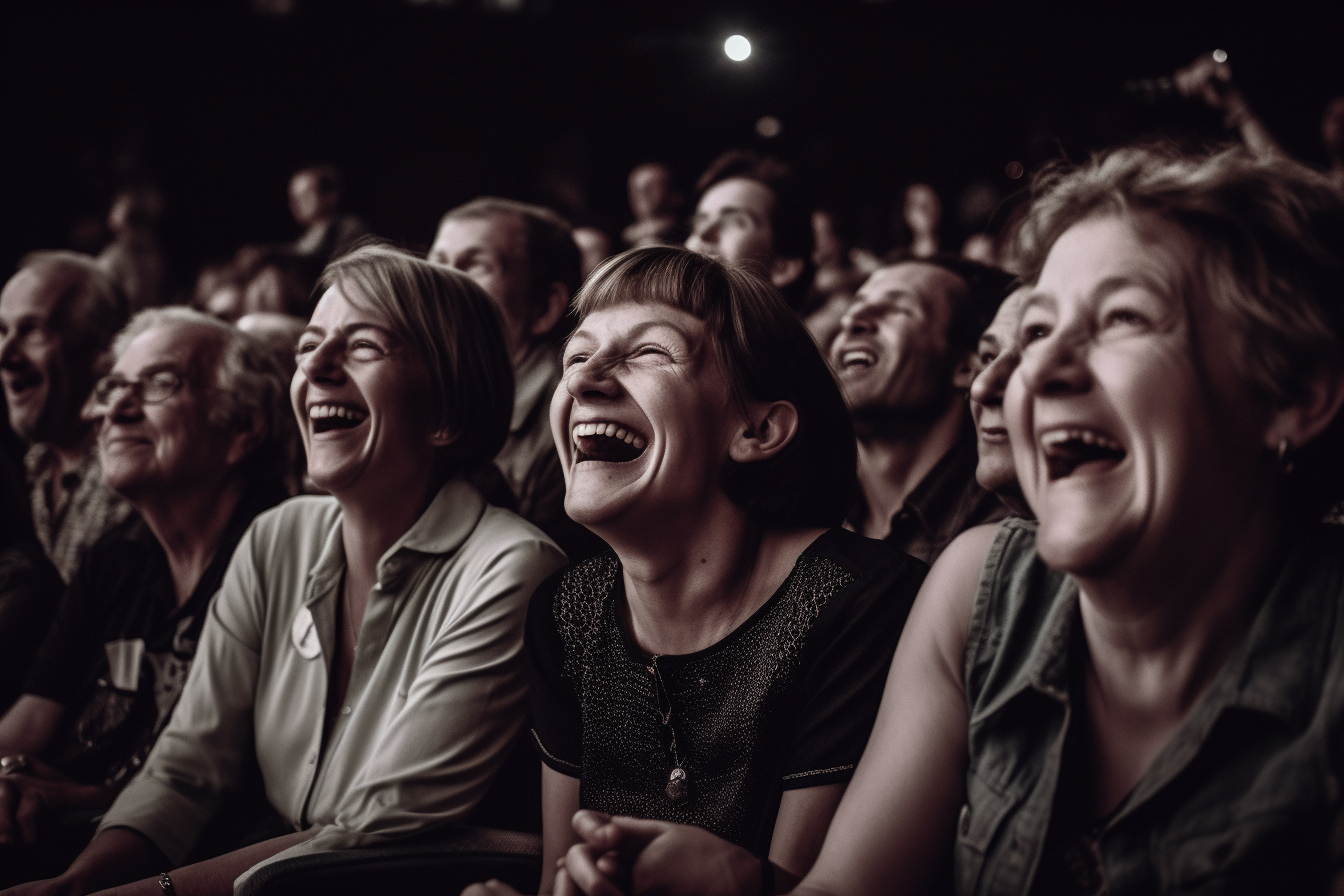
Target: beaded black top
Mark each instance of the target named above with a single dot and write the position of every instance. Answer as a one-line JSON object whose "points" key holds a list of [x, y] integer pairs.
{"points": [[786, 700]]}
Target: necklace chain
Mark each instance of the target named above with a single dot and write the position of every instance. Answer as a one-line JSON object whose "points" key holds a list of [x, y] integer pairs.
{"points": [[678, 781]]}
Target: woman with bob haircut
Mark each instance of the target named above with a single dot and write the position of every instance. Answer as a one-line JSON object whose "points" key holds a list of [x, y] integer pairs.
{"points": [[364, 647], [721, 665], [1142, 692]]}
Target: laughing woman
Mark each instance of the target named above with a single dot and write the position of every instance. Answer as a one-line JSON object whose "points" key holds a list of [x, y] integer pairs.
{"points": [[1143, 692], [722, 665], [365, 647]]}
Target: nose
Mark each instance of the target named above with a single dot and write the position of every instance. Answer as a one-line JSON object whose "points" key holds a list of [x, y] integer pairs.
{"points": [[322, 363], [9, 353], [1055, 364], [704, 236], [591, 378], [989, 384], [858, 318]]}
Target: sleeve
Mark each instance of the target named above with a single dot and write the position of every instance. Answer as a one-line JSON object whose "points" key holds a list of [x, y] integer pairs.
{"points": [[435, 758], [199, 755], [846, 669], [557, 718], [71, 654]]}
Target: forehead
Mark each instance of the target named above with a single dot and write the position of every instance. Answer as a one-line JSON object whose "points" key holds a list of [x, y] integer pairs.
{"points": [[1146, 249], [182, 347], [632, 318], [931, 285], [341, 306], [501, 233], [27, 292], [738, 192]]}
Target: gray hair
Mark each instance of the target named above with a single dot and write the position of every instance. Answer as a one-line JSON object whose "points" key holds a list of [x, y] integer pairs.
{"points": [[249, 387]]}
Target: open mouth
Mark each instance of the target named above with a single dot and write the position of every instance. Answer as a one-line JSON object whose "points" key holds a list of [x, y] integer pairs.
{"points": [[329, 417], [607, 442], [1068, 449], [20, 383], [857, 358]]}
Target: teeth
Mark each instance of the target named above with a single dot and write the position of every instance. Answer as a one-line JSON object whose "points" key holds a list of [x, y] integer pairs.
{"points": [[611, 430], [1086, 436], [321, 411], [857, 356]]}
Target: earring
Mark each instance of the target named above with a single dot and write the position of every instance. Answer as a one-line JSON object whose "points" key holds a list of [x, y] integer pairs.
{"points": [[1285, 457]]}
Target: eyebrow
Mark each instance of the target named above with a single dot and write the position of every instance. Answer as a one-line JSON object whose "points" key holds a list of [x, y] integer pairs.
{"points": [[311, 329], [635, 332]]}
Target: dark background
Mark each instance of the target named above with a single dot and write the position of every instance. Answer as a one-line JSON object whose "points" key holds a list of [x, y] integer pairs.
{"points": [[424, 105]]}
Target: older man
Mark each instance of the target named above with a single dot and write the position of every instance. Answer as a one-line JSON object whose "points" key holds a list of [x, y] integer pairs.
{"points": [[525, 259], [193, 429], [904, 360], [57, 315]]}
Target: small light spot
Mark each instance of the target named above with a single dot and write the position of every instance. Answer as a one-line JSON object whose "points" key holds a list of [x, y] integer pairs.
{"points": [[1220, 56], [1014, 170], [768, 126], [737, 47]]}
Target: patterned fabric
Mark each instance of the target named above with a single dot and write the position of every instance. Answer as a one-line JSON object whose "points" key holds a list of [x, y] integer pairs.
{"points": [[782, 702], [89, 510]]}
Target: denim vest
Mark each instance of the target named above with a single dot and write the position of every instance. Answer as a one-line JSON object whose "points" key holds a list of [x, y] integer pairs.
{"points": [[1245, 798]]}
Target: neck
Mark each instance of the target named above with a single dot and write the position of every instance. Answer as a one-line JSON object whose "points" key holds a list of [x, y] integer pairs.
{"points": [[689, 583], [369, 526], [188, 525], [896, 453], [71, 449]]}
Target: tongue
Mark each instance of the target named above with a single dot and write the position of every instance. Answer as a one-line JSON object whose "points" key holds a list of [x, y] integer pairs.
{"points": [[606, 448], [1066, 457]]}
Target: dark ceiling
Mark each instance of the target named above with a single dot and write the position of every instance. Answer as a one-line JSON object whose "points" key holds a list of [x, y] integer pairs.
{"points": [[424, 105]]}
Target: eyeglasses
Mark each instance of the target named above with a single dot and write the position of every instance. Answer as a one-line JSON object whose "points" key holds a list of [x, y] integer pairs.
{"points": [[149, 389]]}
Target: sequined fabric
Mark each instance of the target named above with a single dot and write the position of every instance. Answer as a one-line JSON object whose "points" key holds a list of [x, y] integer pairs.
{"points": [[730, 702]]}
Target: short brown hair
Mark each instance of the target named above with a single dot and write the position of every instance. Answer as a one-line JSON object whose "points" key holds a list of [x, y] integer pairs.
{"points": [[769, 356], [456, 330]]}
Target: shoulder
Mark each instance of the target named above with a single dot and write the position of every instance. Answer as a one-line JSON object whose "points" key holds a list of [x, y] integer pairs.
{"points": [[503, 536], [572, 598]]}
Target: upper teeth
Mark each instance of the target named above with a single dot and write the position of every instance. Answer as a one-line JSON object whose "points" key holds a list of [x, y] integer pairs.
{"points": [[318, 411], [1086, 436], [857, 356], [610, 430]]}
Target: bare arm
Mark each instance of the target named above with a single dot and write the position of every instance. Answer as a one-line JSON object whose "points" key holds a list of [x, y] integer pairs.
{"points": [[894, 828], [213, 877], [29, 725], [800, 827]]}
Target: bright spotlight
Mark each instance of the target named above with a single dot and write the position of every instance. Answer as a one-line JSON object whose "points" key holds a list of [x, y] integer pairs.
{"points": [[1219, 55], [737, 47]]}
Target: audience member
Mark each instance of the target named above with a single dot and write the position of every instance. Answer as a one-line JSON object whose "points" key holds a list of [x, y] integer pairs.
{"points": [[364, 647], [58, 314], [525, 259], [722, 664], [656, 205], [1143, 693], [278, 281], [1210, 79], [996, 358], [594, 248], [748, 212], [134, 259], [922, 215], [314, 200], [193, 431], [904, 357], [30, 586]]}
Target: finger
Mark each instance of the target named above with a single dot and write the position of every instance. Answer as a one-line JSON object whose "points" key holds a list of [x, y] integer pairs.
{"points": [[581, 869], [490, 888], [587, 821]]}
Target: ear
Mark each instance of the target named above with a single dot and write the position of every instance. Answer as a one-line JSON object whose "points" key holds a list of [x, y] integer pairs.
{"points": [[557, 303], [1302, 421], [770, 428], [784, 271], [244, 441], [443, 436], [964, 373]]}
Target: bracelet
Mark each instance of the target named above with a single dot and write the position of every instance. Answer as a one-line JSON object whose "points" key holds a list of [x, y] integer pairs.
{"points": [[166, 884], [767, 877]]}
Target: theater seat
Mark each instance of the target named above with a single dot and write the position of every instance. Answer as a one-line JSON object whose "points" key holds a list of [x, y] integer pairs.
{"points": [[441, 865]]}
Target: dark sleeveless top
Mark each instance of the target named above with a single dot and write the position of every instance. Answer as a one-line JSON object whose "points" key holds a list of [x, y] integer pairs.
{"points": [[1246, 797]]}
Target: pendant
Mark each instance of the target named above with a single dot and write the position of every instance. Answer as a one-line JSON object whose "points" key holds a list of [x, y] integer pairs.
{"points": [[678, 785]]}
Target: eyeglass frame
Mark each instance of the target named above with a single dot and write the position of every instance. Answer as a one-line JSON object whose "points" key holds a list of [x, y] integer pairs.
{"points": [[104, 391]]}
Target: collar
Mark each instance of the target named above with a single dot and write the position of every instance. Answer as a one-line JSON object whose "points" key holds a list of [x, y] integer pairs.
{"points": [[534, 381], [41, 458], [947, 485], [441, 529]]}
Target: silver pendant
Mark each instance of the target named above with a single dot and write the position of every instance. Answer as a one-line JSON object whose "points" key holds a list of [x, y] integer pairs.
{"points": [[678, 785]]}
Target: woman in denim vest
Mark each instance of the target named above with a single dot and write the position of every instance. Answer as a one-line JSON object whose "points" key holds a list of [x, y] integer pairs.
{"points": [[1143, 692]]}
